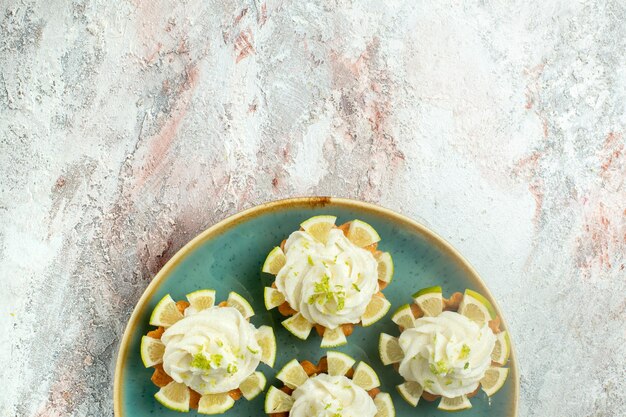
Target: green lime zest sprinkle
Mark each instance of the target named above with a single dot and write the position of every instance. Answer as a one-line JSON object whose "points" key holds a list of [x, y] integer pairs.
{"points": [[310, 260], [356, 287], [439, 367], [231, 368], [466, 365], [465, 351], [201, 362], [253, 351]]}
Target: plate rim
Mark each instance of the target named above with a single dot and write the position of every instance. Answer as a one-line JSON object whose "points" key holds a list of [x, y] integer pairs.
{"points": [[307, 202]]}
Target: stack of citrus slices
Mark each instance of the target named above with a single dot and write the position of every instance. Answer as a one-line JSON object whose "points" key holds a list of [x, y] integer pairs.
{"points": [[429, 302]]}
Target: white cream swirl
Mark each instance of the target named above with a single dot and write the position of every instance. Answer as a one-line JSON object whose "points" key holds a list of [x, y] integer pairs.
{"points": [[330, 396], [211, 351], [448, 354], [329, 284]]}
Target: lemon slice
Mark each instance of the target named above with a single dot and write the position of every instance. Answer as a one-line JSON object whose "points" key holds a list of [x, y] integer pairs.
{"points": [[333, 338], [215, 403], [454, 404], [267, 341], [277, 401], [339, 363], [385, 267], [174, 396], [319, 227], [390, 350], [292, 374], [429, 301], [273, 298], [362, 234], [237, 301], [403, 317], [275, 261], [165, 313], [476, 307], [502, 349], [384, 405], [365, 377], [151, 351], [494, 379], [298, 326], [375, 310], [253, 385], [201, 299], [411, 392]]}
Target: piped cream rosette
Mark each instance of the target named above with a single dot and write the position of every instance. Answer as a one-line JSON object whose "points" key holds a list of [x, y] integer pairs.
{"points": [[205, 356], [330, 278], [447, 348]]}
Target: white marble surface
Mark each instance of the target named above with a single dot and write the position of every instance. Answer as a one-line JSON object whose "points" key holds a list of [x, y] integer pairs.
{"points": [[128, 127]]}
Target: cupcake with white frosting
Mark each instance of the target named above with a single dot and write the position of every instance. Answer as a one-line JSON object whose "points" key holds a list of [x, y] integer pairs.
{"points": [[447, 348], [329, 389], [330, 278], [205, 356]]}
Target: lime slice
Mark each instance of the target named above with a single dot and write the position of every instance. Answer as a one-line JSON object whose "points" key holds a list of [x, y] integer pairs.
{"points": [[174, 396], [362, 234], [319, 227], [411, 392], [365, 377], [277, 401], [385, 267], [476, 308], [390, 350], [151, 351], [333, 338], [384, 405], [201, 299], [237, 301], [215, 403], [502, 349], [274, 261], [403, 317], [165, 313], [292, 374], [454, 404], [376, 310], [253, 385], [494, 379], [267, 341], [429, 301], [339, 363], [273, 298], [298, 326]]}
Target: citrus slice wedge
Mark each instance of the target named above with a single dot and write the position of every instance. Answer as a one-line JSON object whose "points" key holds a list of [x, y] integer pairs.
{"points": [[215, 403], [502, 349], [319, 227], [333, 338], [267, 341], [277, 401], [201, 299], [454, 404], [375, 310], [403, 317], [292, 374], [273, 298], [365, 377], [165, 313], [174, 396], [275, 261], [429, 301], [411, 392], [494, 379], [298, 326], [339, 363], [237, 301], [362, 234], [390, 350], [476, 307], [384, 405], [385, 267], [151, 351], [253, 385]]}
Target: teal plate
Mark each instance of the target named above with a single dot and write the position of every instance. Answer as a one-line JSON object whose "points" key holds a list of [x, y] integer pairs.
{"points": [[228, 257]]}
